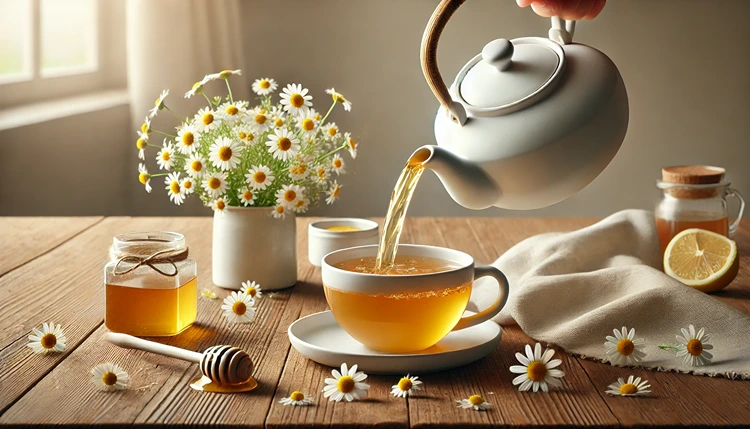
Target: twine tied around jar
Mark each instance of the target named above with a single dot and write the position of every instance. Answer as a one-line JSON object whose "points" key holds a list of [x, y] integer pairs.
{"points": [[145, 255]]}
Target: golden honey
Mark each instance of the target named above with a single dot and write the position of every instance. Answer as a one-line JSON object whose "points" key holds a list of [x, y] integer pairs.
{"points": [[342, 228]]}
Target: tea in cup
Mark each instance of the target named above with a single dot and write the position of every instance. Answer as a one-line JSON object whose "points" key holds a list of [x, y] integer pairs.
{"points": [[414, 304]]}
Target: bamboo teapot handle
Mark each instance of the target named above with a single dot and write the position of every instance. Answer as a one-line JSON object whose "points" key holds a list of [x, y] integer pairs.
{"points": [[435, 26]]}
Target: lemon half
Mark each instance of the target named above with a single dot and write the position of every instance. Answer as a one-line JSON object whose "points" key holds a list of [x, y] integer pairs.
{"points": [[702, 259]]}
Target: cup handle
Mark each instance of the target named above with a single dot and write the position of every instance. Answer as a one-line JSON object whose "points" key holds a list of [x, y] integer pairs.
{"points": [[733, 227], [494, 309]]}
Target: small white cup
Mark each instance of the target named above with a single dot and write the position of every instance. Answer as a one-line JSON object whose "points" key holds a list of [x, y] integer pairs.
{"points": [[322, 241]]}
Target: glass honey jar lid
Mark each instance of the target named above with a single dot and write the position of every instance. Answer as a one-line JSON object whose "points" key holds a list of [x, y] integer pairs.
{"points": [[691, 181]]}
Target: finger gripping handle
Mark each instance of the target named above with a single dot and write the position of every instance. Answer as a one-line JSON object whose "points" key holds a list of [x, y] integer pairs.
{"points": [[494, 309]]}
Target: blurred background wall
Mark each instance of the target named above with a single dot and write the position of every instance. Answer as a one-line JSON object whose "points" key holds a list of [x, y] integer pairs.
{"points": [[685, 64]]}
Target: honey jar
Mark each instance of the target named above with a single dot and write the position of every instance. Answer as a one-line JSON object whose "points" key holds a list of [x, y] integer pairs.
{"points": [[150, 284]]}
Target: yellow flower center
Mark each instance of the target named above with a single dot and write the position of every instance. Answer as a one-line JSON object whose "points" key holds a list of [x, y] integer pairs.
{"points": [[143, 178], [695, 347], [298, 169], [476, 400], [196, 166], [332, 131], [345, 384], [220, 205], [290, 196], [188, 138], [404, 384], [536, 371], [251, 292], [207, 119], [336, 192], [187, 184], [140, 143], [265, 84], [239, 308], [197, 85], [300, 203], [248, 195], [337, 163], [214, 183], [157, 102], [225, 74], [242, 135], [279, 122], [284, 144], [232, 110], [259, 177], [165, 155], [625, 347], [225, 153], [250, 137], [109, 378], [628, 389], [337, 98], [297, 396], [174, 187], [48, 341], [144, 128], [322, 173], [280, 209], [308, 124], [317, 116], [352, 144], [260, 119], [296, 100]]}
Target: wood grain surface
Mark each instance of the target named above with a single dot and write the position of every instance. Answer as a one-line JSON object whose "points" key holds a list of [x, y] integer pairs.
{"points": [[59, 278]]}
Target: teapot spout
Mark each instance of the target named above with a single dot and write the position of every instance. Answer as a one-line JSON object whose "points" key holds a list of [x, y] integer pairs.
{"points": [[465, 182]]}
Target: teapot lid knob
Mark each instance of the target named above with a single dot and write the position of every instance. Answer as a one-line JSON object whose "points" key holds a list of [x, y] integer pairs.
{"points": [[498, 53]]}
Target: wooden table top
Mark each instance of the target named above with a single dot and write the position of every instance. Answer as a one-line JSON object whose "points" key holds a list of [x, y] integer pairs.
{"points": [[51, 270]]}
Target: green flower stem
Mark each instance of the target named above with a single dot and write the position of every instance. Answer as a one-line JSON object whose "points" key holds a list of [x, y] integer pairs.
{"points": [[207, 99], [229, 89], [153, 145], [669, 347], [158, 174], [326, 155], [163, 133], [172, 112], [322, 121]]}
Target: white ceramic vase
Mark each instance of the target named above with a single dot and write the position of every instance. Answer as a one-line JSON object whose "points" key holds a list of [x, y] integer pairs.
{"points": [[250, 244]]}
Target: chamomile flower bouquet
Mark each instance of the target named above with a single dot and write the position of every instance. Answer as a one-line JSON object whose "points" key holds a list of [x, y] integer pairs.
{"points": [[281, 154]]}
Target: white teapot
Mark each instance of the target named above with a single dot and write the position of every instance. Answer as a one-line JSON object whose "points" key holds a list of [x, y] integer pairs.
{"points": [[527, 122]]}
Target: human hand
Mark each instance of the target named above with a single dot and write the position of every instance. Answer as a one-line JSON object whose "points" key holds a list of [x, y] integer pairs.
{"points": [[573, 10]]}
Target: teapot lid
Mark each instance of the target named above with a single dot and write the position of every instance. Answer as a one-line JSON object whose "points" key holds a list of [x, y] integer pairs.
{"points": [[509, 75]]}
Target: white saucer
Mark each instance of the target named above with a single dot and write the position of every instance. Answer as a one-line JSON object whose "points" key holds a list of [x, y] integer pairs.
{"points": [[320, 338]]}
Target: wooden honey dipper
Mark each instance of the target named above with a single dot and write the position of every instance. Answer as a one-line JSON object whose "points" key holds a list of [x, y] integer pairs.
{"points": [[224, 365]]}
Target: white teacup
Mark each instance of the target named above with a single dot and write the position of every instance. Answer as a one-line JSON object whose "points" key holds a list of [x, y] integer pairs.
{"points": [[406, 313]]}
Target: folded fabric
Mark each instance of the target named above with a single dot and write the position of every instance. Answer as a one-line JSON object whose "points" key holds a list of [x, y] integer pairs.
{"points": [[572, 289]]}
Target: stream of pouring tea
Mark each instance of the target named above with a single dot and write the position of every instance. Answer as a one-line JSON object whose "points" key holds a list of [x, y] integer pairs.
{"points": [[394, 219]]}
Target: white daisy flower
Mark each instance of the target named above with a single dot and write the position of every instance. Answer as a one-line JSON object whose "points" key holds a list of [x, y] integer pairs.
{"points": [[295, 100], [296, 397], [537, 370], [330, 130], [347, 384], [337, 164], [302, 205], [224, 74], [145, 128], [174, 188], [283, 144], [474, 401], [244, 133], [315, 115], [208, 293], [624, 348], [322, 174], [219, 205], [288, 195], [141, 144], [144, 177], [215, 184], [165, 157], [109, 377], [264, 86], [225, 153], [351, 145], [333, 192], [633, 387], [693, 346], [252, 289], [195, 166], [187, 136], [51, 338], [197, 87], [259, 177], [232, 112], [158, 104], [277, 117], [338, 98], [298, 171], [248, 196], [306, 123], [406, 386], [206, 120], [188, 186], [279, 211], [238, 308], [258, 119]]}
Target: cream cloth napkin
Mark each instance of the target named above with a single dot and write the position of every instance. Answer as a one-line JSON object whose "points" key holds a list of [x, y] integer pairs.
{"points": [[572, 289]]}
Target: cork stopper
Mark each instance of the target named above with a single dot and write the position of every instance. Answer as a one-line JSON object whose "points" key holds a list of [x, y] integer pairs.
{"points": [[693, 175]]}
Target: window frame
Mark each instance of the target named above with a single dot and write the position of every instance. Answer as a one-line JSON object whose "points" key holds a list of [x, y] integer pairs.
{"points": [[109, 72]]}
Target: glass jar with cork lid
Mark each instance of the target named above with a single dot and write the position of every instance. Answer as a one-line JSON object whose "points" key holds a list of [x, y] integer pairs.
{"points": [[694, 196], [150, 284]]}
